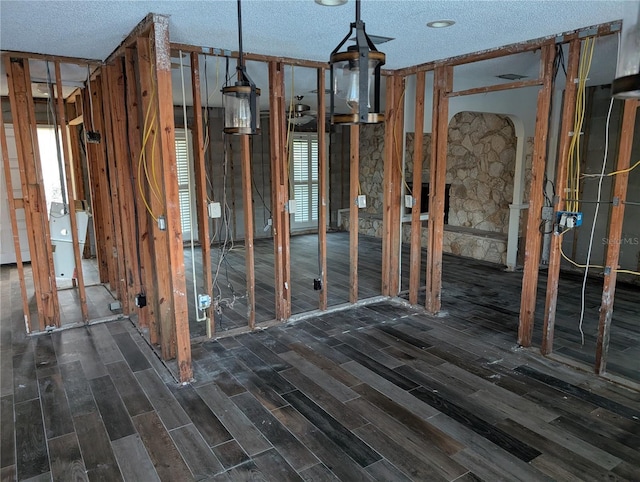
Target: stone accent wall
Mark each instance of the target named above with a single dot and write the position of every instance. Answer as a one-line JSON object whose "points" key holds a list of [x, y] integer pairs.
{"points": [[480, 167], [372, 166]]}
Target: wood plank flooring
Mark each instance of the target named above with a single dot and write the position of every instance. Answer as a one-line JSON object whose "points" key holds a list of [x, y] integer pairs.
{"points": [[377, 392], [468, 285]]}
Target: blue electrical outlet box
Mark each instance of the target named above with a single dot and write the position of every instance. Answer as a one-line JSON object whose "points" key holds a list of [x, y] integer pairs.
{"points": [[569, 219]]}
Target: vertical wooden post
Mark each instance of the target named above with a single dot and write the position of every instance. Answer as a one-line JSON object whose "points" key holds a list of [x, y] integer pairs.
{"points": [[354, 225], [443, 83], [157, 239], [166, 132], [391, 215], [534, 238], [416, 224], [620, 184], [35, 205], [122, 151], [76, 155], [201, 185], [279, 191], [144, 236], [322, 189], [100, 221], [101, 179], [14, 225], [115, 204], [553, 271], [71, 194], [247, 204]]}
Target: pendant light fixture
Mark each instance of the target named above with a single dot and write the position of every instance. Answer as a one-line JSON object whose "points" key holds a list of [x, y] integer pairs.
{"points": [[626, 85], [240, 100], [355, 78]]}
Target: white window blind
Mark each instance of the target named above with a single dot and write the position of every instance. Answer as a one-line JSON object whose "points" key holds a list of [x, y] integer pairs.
{"points": [[304, 175], [184, 166]]}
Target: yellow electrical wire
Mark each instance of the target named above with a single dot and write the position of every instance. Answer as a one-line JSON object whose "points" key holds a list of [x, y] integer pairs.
{"points": [[578, 265], [573, 165], [624, 170]]}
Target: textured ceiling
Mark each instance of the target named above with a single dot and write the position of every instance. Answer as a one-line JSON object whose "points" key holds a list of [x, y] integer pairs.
{"points": [[303, 29], [300, 28]]}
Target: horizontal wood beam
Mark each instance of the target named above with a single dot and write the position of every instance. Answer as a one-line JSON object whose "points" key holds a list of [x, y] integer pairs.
{"points": [[51, 58], [314, 64], [496, 88]]}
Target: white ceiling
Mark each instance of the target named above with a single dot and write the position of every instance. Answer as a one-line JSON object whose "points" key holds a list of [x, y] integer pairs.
{"points": [[303, 29], [300, 28]]}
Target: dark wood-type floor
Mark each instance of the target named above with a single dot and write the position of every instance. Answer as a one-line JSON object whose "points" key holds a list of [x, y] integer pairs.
{"points": [[494, 293], [380, 392]]}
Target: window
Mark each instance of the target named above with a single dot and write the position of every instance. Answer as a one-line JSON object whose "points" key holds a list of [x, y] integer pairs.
{"points": [[184, 167], [304, 179]]}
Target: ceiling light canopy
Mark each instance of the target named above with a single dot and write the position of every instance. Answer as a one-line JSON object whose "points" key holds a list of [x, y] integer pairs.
{"points": [[240, 100], [331, 3], [440, 23], [626, 85], [355, 78]]}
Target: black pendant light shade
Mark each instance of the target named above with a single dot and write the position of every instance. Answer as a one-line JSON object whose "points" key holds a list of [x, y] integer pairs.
{"points": [[355, 78], [240, 101]]}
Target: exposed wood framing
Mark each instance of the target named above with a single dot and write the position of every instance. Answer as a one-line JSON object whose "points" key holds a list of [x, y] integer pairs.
{"points": [[139, 31], [322, 190], [99, 223], [77, 158], [125, 189], [51, 58], [166, 132], [620, 184], [101, 182], [496, 88], [201, 186], [24, 125], [115, 205], [442, 83], [354, 225], [312, 64], [534, 238], [528, 46], [144, 235], [14, 225], [279, 191], [392, 184], [247, 203], [71, 193], [416, 224], [162, 322], [553, 271]]}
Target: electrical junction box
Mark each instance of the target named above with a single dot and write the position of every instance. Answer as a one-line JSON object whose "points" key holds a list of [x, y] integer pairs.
{"points": [[569, 219], [409, 201], [361, 201], [204, 302], [214, 209]]}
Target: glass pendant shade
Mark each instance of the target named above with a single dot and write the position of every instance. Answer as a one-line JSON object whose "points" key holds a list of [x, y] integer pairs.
{"points": [[240, 102], [626, 85]]}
